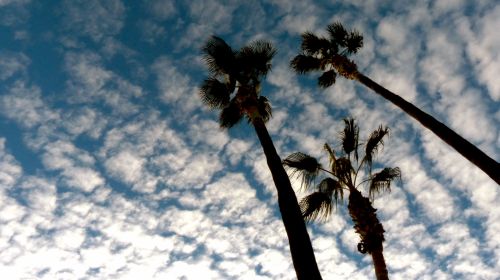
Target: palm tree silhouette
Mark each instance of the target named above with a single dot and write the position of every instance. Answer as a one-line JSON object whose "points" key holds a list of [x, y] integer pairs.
{"points": [[330, 55], [234, 88], [342, 176]]}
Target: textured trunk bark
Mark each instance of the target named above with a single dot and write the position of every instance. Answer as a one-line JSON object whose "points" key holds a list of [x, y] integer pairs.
{"points": [[464, 147], [379, 264], [369, 228], [301, 249]]}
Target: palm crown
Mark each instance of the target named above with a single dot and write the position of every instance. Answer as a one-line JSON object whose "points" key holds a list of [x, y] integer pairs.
{"points": [[342, 175], [328, 54], [331, 57], [234, 82], [233, 86]]}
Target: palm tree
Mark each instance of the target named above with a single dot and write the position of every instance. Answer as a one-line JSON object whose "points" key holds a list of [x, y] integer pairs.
{"points": [[234, 88], [342, 176], [330, 55]]}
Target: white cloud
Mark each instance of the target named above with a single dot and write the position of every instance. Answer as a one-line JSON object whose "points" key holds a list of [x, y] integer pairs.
{"points": [[75, 165], [92, 83], [236, 150], [10, 170], [482, 48], [161, 10], [152, 31], [24, 104], [207, 132], [84, 121], [12, 63], [10, 2], [126, 166], [176, 88], [94, 18]]}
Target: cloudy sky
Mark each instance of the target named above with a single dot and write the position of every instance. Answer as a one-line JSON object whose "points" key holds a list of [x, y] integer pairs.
{"points": [[111, 168]]}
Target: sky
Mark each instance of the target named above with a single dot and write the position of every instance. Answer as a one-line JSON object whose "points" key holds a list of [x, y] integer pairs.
{"points": [[112, 168]]}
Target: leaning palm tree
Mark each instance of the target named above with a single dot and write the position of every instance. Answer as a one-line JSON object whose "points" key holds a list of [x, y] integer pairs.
{"points": [[341, 176], [330, 55], [234, 88]]}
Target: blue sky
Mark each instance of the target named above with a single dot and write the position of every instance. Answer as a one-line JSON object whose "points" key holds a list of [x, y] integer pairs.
{"points": [[111, 168]]}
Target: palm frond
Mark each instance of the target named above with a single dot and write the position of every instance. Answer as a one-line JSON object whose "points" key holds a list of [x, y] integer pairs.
{"points": [[343, 170], [327, 78], [313, 45], [230, 115], [304, 63], [265, 109], [350, 137], [333, 188], [219, 56], [316, 206], [373, 143], [214, 93], [304, 166], [255, 58], [338, 34], [381, 181], [331, 154], [354, 42]]}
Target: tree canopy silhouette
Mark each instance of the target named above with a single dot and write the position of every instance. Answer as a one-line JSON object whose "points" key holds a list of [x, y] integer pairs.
{"points": [[234, 88], [342, 175], [330, 56]]}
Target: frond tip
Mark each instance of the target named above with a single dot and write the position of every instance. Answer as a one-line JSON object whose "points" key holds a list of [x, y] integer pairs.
{"points": [[303, 166], [265, 109], [375, 140], [327, 78], [381, 181], [230, 115], [312, 44], [350, 137], [304, 63], [333, 189], [219, 56], [256, 58], [214, 94], [316, 206]]}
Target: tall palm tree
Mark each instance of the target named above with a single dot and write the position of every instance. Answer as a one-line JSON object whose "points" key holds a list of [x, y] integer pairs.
{"points": [[330, 55], [234, 88], [342, 175]]}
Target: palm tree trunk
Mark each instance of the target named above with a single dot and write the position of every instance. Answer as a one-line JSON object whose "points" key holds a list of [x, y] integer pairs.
{"points": [[301, 249], [369, 228], [379, 264], [464, 147]]}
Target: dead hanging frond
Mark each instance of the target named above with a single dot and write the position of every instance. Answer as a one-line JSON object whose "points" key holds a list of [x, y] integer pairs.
{"points": [[350, 137], [316, 206], [303, 166], [333, 189], [265, 109], [374, 142], [230, 115], [381, 181], [344, 171], [327, 78], [331, 155]]}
